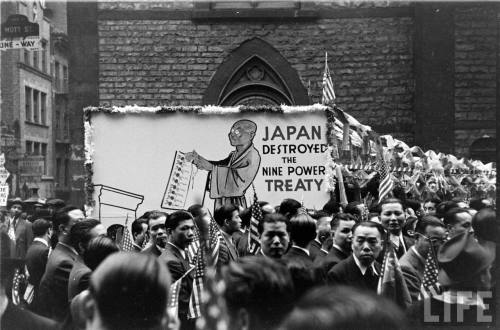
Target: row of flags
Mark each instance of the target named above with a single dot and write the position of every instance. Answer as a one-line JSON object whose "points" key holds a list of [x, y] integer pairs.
{"points": [[328, 98]]}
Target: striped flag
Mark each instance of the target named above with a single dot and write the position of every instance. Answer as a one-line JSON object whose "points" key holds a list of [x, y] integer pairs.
{"points": [[386, 184], [328, 92], [195, 299], [126, 242], [173, 297], [193, 247], [430, 286], [214, 309], [253, 241]]}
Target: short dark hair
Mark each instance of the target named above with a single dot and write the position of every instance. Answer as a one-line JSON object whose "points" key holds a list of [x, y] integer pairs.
{"points": [[113, 230], [332, 207], [289, 207], [61, 217], [124, 287], [80, 232], [176, 217], [426, 221], [434, 200], [195, 210], [413, 204], [341, 216], [320, 214], [370, 224], [342, 307], [389, 200], [137, 226], [224, 212], [477, 204], [261, 286], [153, 215], [97, 250], [246, 216], [302, 229], [450, 218], [486, 226], [40, 227], [273, 218], [351, 208], [443, 207]]}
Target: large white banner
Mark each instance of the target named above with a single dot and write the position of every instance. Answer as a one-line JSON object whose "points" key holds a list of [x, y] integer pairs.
{"points": [[283, 158]]}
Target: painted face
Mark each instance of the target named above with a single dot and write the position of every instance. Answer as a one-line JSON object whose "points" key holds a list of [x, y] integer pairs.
{"points": [[274, 239], [392, 217], [367, 244], [183, 234], [342, 236], [157, 231], [239, 135], [430, 208]]}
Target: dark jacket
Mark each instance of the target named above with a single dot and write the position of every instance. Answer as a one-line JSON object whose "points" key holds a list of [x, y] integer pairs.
{"points": [[78, 279], [24, 237], [52, 301], [15, 318], [227, 250], [36, 261], [297, 256], [347, 272], [315, 250], [178, 266], [413, 268], [323, 264], [153, 249]]}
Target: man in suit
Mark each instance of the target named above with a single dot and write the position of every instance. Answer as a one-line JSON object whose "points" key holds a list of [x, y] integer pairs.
{"points": [[18, 228], [139, 233], [157, 233], [302, 232], [38, 252], [53, 298], [360, 270], [323, 233], [81, 234], [274, 237], [392, 217], [428, 230], [341, 225], [457, 220], [180, 228], [229, 221]]}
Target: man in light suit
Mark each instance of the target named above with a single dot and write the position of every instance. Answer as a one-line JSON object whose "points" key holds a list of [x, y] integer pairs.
{"points": [[180, 228], [429, 229], [18, 229]]}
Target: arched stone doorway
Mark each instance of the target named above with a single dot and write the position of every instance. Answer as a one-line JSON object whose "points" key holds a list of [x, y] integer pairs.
{"points": [[255, 74]]}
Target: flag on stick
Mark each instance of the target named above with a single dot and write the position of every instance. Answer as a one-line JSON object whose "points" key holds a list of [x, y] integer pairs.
{"points": [[126, 241], [173, 297], [195, 299], [386, 184], [391, 282], [430, 286], [328, 92], [253, 240]]}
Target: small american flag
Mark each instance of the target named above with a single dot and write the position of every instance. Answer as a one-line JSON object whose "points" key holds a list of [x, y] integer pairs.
{"points": [[253, 241], [195, 299], [215, 316], [173, 297], [215, 239], [193, 247], [386, 184], [430, 286], [126, 241], [328, 92]]}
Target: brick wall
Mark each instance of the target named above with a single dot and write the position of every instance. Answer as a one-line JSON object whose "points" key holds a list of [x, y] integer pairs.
{"points": [[476, 46]]}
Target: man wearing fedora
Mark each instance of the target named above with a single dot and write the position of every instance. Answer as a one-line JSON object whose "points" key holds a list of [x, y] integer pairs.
{"points": [[18, 228], [465, 279]]}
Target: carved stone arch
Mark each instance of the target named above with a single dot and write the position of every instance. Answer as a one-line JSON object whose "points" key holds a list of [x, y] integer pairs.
{"points": [[255, 73]]}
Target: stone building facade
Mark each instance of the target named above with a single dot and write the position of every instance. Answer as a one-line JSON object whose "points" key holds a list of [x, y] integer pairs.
{"points": [[427, 73]]}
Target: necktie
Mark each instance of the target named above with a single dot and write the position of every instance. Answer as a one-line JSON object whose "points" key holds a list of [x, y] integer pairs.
{"points": [[12, 230]]}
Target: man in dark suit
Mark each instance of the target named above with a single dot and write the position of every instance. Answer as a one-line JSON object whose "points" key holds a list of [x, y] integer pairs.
{"points": [[139, 233], [53, 298], [392, 217], [429, 229], [302, 232], [229, 221], [341, 225], [18, 229], [360, 269], [38, 252], [180, 228], [323, 233], [157, 233]]}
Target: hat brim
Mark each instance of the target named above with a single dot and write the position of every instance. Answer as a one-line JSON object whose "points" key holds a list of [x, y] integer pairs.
{"points": [[446, 280]]}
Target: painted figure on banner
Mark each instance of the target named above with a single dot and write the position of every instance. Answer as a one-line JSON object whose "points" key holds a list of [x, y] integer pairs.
{"points": [[231, 177]]}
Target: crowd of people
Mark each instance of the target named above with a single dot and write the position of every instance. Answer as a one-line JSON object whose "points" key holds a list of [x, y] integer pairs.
{"points": [[266, 267]]}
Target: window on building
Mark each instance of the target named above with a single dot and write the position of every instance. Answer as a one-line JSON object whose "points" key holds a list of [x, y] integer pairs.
{"points": [[58, 171], [57, 75], [43, 108], [65, 78], [36, 106], [43, 152], [27, 103], [29, 148], [44, 56], [36, 62], [36, 148], [26, 57], [66, 172]]}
